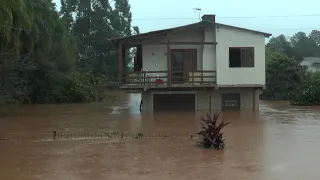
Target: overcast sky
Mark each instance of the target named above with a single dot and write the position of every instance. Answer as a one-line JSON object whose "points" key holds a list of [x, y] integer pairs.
{"points": [[253, 14]]}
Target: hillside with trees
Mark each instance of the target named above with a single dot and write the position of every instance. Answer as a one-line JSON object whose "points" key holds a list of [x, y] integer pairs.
{"points": [[48, 56]]}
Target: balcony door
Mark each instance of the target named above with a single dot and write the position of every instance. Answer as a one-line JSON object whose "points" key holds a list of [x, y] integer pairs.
{"points": [[183, 61]]}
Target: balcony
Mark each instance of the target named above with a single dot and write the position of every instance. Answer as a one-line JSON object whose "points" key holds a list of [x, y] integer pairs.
{"points": [[168, 79]]}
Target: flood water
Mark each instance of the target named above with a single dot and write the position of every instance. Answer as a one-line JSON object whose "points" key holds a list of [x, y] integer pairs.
{"points": [[280, 142]]}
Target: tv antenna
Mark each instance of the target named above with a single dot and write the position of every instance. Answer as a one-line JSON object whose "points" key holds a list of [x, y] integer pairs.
{"points": [[197, 10]]}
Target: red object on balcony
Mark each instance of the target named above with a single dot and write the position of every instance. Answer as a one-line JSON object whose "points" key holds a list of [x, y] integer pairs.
{"points": [[159, 81]]}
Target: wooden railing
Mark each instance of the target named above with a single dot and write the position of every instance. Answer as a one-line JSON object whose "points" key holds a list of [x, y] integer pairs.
{"points": [[149, 78]]}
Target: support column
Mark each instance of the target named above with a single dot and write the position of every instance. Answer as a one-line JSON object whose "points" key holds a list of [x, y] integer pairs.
{"points": [[124, 63], [215, 50], [256, 99], [169, 64], [147, 103], [120, 65]]}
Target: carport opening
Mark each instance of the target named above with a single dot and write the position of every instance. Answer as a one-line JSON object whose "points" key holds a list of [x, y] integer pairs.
{"points": [[174, 102]]}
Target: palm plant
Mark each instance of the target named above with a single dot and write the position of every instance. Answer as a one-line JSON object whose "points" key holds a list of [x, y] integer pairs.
{"points": [[211, 137]]}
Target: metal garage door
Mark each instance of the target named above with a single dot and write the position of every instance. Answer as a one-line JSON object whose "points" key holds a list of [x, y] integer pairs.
{"points": [[174, 102]]}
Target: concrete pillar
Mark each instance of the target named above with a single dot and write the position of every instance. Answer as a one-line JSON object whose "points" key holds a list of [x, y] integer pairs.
{"points": [[146, 101], [203, 100], [216, 101], [257, 99]]}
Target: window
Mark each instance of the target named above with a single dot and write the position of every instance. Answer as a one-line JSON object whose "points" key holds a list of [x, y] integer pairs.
{"points": [[230, 101], [241, 57]]}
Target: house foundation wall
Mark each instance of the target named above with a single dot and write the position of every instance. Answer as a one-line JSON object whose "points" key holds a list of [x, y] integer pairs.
{"points": [[209, 99], [249, 98]]}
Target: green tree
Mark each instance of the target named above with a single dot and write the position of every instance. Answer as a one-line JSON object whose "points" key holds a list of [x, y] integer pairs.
{"points": [[36, 52], [283, 76], [51, 57], [308, 92], [94, 27], [304, 46], [280, 44], [315, 36]]}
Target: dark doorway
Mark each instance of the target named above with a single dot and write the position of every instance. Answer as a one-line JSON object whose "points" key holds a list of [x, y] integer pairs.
{"points": [[174, 102], [230, 101], [137, 66], [183, 61]]}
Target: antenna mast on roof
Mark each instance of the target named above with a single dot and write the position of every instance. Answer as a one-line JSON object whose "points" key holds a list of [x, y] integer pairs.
{"points": [[197, 10]]}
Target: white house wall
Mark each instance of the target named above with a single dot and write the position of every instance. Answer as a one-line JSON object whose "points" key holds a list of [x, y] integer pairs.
{"points": [[230, 37], [187, 36], [154, 59]]}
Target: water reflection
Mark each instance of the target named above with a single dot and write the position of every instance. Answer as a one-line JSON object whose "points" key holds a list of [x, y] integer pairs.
{"points": [[279, 142]]}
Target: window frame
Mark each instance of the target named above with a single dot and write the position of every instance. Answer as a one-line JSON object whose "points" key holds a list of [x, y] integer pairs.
{"points": [[241, 48], [230, 97]]}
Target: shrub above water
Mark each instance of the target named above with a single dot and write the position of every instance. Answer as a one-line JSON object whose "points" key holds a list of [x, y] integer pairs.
{"points": [[308, 92], [211, 137]]}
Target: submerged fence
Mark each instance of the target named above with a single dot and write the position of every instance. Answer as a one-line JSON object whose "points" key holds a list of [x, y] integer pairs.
{"points": [[56, 136]]}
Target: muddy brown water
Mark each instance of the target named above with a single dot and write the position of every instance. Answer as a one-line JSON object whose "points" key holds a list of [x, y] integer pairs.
{"points": [[280, 142]]}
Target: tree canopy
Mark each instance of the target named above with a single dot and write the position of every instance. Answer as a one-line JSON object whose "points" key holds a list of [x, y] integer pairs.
{"points": [[283, 74], [286, 79], [48, 56], [297, 46]]}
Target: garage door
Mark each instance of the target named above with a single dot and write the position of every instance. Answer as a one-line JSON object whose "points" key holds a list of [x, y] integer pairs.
{"points": [[174, 102]]}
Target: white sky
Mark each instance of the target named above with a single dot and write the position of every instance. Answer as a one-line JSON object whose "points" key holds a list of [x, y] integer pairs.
{"points": [[160, 14]]}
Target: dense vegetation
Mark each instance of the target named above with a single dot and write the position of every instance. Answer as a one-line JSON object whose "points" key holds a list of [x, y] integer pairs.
{"points": [[48, 56], [285, 78]]}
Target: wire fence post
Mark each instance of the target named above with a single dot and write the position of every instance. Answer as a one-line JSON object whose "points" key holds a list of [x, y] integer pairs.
{"points": [[54, 134]]}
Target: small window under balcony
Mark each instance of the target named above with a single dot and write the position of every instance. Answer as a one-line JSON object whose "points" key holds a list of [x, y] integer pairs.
{"points": [[230, 101], [241, 57]]}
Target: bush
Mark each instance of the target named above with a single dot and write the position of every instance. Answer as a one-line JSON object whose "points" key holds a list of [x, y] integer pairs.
{"points": [[77, 87], [210, 132], [308, 92], [283, 76], [44, 86], [80, 87]]}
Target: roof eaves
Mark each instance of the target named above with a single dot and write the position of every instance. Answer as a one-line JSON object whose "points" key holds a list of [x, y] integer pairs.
{"points": [[312, 59], [162, 31]]}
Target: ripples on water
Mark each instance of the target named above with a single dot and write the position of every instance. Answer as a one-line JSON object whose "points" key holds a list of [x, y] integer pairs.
{"points": [[280, 142]]}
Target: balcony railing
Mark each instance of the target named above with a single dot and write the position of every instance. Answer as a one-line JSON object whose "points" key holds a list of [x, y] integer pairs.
{"points": [[169, 78]]}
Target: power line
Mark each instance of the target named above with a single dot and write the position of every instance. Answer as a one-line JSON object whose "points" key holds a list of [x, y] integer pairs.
{"points": [[108, 39], [289, 29], [231, 17]]}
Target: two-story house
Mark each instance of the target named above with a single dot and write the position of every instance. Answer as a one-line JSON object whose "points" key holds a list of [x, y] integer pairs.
{"points": [[200, 66]]}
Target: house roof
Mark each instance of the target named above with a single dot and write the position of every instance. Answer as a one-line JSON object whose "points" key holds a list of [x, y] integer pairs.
{"points": [[312, 60], [193, 25]]}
